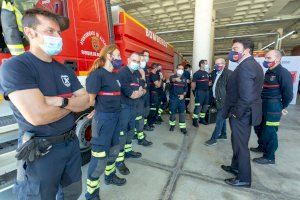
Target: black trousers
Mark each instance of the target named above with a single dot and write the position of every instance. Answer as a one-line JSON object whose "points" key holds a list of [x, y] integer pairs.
{"points": [[241, 130]]}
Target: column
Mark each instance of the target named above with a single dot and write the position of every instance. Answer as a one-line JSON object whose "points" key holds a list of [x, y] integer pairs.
{"points": [[202, 31]]}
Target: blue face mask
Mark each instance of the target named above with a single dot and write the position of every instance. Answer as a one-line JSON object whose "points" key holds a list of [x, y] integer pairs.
{"points": [[52, 45], [267, 64], [234, 56], [134, 66], [116, 63]]}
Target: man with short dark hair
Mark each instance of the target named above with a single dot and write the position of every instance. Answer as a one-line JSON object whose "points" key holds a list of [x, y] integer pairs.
{"points": [[243, 107], [43, 96]]}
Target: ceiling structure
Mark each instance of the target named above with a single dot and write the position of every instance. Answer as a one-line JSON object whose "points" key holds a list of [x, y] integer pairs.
{"points": [[173, 20]]}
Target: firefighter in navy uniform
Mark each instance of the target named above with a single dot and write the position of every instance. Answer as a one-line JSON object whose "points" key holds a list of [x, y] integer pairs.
{"points": [[178, 89], [187, 76], [131, 91], [146, 97], [11, 23], [44, 94], [200, 85], [163, 101], [276, 96], [104, 89], [155, 83], [140, 108]]}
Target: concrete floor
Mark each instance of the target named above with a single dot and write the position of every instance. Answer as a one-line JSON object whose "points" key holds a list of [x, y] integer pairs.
{"points": [[181, 167]]}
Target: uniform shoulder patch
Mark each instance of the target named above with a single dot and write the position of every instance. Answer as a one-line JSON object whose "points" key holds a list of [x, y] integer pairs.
{"points": [[66, 80]]}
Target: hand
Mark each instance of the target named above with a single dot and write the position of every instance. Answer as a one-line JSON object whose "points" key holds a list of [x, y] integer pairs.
{"points": [[161, 75], [142, 72], [91, 114], [284, 112], [54, 101], [181, 97], [178, 79]]}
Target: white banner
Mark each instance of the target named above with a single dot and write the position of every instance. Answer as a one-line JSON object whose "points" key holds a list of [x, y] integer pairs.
{"points": [[291, 63]]}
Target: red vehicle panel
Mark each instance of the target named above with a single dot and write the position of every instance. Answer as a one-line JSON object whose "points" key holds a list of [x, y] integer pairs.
{"points": [[132, 36]]}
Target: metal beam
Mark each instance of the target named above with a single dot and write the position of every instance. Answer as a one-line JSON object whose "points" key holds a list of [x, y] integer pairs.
{"points": [[283, 37], [236, 24], [229, 37]]}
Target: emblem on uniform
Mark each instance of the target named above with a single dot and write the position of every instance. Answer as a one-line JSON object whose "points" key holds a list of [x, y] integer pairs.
{"points": [[96, 43], [272, 78], [66, 80], [119, 83]]}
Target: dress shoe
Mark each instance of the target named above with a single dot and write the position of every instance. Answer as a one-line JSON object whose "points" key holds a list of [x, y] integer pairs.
{"points": [[237, 183], [222, 137], [263, 161], [230, 169]]}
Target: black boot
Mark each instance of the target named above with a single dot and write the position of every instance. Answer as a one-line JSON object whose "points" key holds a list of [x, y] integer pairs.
{"points": [[183, 130], [172, 128], [148, 128], [135, 137], [114, 180], [202, 121], [160, 119], [195, 122], [122, 168], [144, 142], [133, 154]]}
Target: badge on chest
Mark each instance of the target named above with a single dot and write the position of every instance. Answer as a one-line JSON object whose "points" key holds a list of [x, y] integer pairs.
{"points": [[272, 78]]}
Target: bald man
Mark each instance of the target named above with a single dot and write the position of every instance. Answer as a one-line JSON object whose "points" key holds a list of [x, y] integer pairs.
{"points": [[221, 76], [276, 96]]}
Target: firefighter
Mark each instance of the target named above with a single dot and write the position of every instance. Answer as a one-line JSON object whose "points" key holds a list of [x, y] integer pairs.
{"points": [[146, 97], [178, 89], [276, 96], [131, 91], [44, 95], [200, 85], [163, 101], [11, 22], [140, 108], [155, 83], [104, 90], [187, 76]]}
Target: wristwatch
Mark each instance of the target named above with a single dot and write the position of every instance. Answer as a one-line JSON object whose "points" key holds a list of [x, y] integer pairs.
{"points": [[65, 102]]}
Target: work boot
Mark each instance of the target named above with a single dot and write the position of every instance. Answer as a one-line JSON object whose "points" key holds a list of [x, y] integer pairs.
{"points": [[183, 130], [263, 161], [122, 168], [144, 142], [202, 121], [135, 137], [195, 122], [148, 128], [256, 150], [172, 128], [210, 142], [114, 180], [133, 154]]}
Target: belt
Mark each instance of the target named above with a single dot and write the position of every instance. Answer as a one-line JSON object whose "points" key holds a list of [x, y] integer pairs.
{"points": [[60, 138]]}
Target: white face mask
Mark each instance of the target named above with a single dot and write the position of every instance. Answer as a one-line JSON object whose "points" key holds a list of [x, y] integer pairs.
{"points": [[179, 72], [206, 68], [143, 64]]}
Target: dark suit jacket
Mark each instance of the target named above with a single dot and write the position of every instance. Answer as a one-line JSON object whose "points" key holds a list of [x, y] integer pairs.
{"points": [[244, 91]]}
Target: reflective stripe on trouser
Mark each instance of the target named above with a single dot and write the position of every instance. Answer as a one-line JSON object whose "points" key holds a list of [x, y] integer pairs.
{"points": [[177, 105], [121, 155], [128, 148], [201, 103], [271, 121], [139, 127], [202, 115], [12, 28], [160, 111], [92, 186], [110, 169]]}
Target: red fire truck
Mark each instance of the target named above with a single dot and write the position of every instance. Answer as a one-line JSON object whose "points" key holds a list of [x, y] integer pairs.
{"points": [[94, 24]]}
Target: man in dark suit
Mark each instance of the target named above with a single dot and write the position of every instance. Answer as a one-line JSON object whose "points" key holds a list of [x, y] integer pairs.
{"points": [[243, 106]]}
